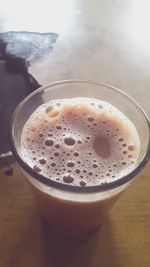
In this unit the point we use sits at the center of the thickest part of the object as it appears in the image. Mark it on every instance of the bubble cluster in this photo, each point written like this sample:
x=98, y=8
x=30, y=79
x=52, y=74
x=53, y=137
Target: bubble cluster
x=80, y=141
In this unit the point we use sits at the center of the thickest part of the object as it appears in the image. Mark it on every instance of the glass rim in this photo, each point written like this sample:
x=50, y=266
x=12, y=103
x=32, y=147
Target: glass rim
x=68, y=187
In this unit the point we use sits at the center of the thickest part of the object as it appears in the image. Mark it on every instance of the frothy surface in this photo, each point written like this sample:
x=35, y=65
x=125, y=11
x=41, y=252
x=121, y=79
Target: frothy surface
x=80, y=141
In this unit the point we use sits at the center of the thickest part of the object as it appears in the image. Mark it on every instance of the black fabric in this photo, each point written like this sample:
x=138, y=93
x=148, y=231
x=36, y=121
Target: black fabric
x=17, y=50
x=15, y=84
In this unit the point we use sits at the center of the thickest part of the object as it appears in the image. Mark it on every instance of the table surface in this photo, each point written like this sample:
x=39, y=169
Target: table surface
x=27, y=240
x=99, y=40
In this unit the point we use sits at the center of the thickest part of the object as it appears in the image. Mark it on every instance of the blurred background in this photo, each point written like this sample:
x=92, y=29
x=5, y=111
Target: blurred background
x=106, y=41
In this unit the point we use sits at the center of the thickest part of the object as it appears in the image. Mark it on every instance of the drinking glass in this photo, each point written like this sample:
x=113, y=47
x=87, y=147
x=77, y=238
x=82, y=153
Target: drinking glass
x=75, y=209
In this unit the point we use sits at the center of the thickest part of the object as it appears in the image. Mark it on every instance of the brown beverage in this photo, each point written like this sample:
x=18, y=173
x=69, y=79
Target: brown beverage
x=81, y=142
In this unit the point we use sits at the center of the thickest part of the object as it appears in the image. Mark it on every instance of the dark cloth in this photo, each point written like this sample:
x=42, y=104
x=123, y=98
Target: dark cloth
x=15, y=84
x=17, y=50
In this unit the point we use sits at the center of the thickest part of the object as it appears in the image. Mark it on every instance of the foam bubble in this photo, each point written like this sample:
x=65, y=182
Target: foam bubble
x=69, y=141
x=53, y=164
x=42, y=161
x=49, y=142
x=56, y=154
x=58, y=127
x=57, y=146
x=131, y=147
x=124, y=145
x=102, y=146
x=53, y=113
x=94, y=165
x=58, y=104
x=48, y=109
x=90, y=119
x=82, y=183
x=68, y=179
x=70, y=164
x=36, y=168
x=100, y=106
x=100, y=150
x=76, y=154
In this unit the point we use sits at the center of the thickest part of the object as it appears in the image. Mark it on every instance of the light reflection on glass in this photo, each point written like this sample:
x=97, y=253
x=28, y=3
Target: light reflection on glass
x=34, y=15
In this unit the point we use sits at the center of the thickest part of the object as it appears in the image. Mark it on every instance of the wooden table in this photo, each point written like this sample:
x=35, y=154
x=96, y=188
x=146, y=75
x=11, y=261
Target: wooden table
x=26, y=240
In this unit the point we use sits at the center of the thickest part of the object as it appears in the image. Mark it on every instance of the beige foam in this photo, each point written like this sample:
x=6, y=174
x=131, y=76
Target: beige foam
x=104, y=144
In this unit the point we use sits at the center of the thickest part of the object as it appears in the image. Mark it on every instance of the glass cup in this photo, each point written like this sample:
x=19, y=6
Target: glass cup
x=76, y=209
